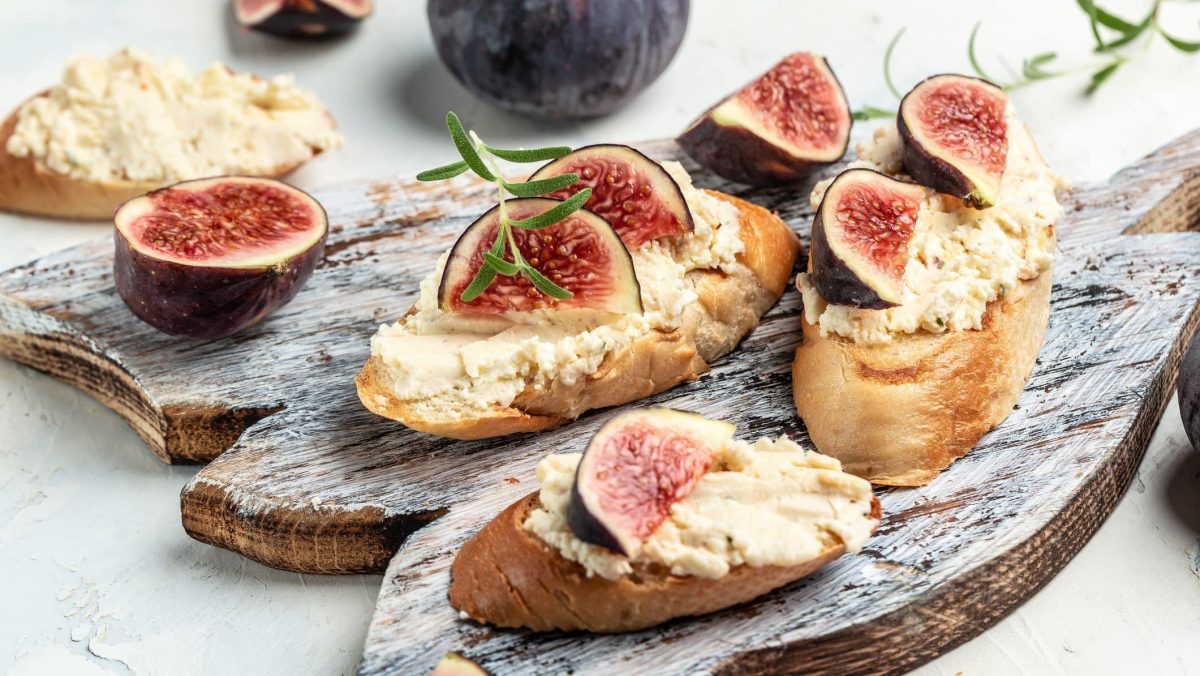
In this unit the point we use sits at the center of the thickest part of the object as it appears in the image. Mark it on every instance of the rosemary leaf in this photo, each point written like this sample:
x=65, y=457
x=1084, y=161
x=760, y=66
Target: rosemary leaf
x=1031, y=68
x=554, y=214
x=467, y=149
x=546, y=286
x=971, y=54
x=1181, y=45
x=543, y=186
x=1101, y=75
x=1106, y=19
x=483, y=279
x=443, y=173
x=872, y=113
x=1094, y=18
x=887, y=64
x=500, y=265
x=533, y=155
x=1133, y=34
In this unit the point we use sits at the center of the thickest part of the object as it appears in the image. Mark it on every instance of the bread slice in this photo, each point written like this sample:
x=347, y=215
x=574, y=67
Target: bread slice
x=507, y=577
x=730, y=305
x=27, y=186
x=898, y=413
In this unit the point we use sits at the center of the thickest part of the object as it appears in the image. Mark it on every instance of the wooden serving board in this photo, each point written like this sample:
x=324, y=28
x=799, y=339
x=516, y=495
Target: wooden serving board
x=317, y=484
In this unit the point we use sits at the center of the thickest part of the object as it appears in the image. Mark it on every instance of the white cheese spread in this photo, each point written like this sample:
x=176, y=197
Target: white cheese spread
x=769, y=503
x=438, y=360
x=960, y=259
x=130, y=118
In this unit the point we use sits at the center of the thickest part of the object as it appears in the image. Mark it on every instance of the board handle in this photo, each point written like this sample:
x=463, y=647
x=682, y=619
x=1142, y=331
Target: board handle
x=1159, y=193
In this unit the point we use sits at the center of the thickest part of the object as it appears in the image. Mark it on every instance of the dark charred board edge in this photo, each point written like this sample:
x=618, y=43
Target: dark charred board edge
x=304, y=539
x=976, y=600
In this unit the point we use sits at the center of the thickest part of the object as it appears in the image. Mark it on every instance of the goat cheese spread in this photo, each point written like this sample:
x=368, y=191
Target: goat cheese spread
x=130, y=118
x=767, y=503
x=960, y=259
x=438, y=360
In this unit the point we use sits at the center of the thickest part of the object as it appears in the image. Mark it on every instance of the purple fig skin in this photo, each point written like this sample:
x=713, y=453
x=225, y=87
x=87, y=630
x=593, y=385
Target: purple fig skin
x=1189, y=392
x=738, y=154
x=932, y=171
x=207, y=303
x=557, y=59
x=586, y=527
x=332, y=17
x=834, y=280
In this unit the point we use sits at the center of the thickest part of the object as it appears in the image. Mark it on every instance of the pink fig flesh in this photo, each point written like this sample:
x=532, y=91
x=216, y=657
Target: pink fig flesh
x=777, y=129
x=205, y=259
x=860, y=239
x=955, y=136
x=629, y=190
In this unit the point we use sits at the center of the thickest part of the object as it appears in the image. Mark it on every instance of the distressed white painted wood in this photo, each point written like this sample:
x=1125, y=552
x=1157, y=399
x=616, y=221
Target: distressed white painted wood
x=322, y=485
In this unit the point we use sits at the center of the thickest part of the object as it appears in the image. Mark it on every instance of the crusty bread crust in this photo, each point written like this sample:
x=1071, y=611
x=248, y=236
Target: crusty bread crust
x=729, y=306
x=899, y=413
x=27, y=186
x=508, y=577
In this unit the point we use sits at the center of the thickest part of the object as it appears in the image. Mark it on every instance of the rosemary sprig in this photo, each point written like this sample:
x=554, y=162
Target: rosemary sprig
x=480, y=158
x=1036, y=67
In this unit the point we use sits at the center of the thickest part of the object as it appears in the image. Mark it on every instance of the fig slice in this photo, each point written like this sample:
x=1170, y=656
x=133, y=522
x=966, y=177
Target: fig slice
x=629, y=190
x=955, y=137
x=205, y=259
x=860, y=239
x=302, y=18
x=635, y=469
x=581, y=253
x=776, y=129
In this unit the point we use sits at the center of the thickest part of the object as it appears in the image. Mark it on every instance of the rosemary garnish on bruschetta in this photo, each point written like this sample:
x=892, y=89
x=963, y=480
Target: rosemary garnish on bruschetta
x=505, y=258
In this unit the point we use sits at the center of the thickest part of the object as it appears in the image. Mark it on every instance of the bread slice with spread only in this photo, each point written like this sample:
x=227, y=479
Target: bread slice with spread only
x=27, y=186
x=899, y=413
x=508, y=577
x=730, y=304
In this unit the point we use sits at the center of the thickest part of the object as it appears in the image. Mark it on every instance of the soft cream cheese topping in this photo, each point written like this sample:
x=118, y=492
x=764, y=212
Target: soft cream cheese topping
x=960, y=259
x=129, y=117
x=768, y=503
x=440, y=360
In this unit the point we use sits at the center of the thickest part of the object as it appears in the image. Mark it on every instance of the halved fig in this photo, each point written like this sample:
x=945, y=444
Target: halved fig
x=301, y=18
x=581, y=254
x=777, y=128
x=205, y=259
x=955, y=137
x=635, y=469
x=629, y=190
x=860, y=239
x=453, y=664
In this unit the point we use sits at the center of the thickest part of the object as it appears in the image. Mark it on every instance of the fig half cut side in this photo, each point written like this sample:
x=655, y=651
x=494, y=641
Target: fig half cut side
x=860, y=239
x=581, y=253
x=778, y=128
x=637, y=197
x=635, y=469
x=955, y=137
x=302, y=18
x=205, y=259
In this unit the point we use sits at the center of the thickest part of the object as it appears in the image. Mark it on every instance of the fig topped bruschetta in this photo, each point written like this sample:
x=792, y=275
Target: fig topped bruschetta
x=641, y=282
x=928, y=286
x=664, y=515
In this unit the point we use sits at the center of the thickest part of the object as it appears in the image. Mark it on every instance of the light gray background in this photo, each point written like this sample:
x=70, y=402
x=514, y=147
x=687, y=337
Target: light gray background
x=96, y=574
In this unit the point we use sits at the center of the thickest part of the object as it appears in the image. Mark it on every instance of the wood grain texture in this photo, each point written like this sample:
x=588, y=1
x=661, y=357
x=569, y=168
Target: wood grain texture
x=322, y=485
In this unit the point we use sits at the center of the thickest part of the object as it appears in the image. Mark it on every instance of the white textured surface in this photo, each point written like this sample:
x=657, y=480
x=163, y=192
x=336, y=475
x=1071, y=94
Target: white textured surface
x=97, y=574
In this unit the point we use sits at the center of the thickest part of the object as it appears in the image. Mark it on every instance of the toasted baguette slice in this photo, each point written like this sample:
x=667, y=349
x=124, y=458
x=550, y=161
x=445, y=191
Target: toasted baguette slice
x=507, y=577
x=730, y=306
x=897, y=414
x=27, y=186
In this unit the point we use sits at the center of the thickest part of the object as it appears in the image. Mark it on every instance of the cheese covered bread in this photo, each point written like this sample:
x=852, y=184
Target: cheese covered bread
x=469, y=376
x=898, y=388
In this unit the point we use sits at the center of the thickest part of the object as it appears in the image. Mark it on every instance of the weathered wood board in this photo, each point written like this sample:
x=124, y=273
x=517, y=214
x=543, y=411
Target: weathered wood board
x=318, y=484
